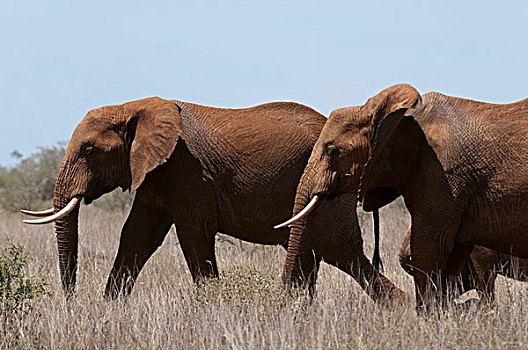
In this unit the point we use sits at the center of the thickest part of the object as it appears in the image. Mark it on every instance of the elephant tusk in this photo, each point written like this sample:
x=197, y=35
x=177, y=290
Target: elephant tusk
x=42, y=213
x=63, y=212
x=302, y=214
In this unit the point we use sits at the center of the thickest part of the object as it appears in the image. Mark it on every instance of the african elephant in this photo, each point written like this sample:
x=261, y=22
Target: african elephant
x=206, y=170
x=480, y=270
x=461, y=167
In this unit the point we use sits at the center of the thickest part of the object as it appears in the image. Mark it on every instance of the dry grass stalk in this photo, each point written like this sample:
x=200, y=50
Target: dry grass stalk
x=244, y=309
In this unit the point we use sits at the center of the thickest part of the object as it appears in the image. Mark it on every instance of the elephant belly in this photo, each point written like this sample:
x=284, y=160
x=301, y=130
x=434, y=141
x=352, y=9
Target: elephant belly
x=258, y=236
x=501, y=225
x=254, y=223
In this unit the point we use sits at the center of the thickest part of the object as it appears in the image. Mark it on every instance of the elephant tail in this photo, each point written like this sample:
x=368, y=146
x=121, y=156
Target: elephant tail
x=376, y=259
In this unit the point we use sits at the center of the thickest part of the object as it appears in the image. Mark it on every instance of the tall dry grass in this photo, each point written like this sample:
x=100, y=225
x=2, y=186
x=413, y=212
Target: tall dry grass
x=245, y=308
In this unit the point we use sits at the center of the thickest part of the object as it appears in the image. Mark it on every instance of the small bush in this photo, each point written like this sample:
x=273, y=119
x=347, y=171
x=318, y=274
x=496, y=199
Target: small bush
x=16, y=289
x=241, y=287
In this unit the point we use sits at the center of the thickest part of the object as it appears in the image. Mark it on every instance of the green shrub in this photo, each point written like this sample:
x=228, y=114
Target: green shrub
x=16, y=290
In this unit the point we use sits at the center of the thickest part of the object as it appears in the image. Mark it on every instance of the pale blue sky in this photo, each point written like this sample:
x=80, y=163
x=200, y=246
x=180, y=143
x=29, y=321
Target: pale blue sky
x=60, y=59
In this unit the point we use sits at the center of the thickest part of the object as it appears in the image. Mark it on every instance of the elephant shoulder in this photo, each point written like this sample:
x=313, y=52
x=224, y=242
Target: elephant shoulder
x=432, y=120
x=444, y=119
x=194, y=110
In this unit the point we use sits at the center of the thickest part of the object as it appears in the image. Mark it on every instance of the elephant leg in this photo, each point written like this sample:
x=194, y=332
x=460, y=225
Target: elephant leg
x=488, y=286
x=333, y=253
x=346, y=253
x=198, y=246
x=310, y=269
x=306, y=275
x=456, y=263
x=404, y=255
x=372, y=281
x=479, y=277
x=143, y=232
x=469, y=277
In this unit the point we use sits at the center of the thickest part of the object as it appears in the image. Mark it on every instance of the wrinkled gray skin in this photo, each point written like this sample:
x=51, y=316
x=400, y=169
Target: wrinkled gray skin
x=460, y=165
x=206, y=170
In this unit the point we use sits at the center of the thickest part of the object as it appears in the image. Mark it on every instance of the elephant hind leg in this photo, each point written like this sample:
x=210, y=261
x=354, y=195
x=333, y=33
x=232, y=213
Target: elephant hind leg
x=198, y=246
x=379, y=287
x=350, y=259
x=143, y=232
x=479, y=276
x=513, y=267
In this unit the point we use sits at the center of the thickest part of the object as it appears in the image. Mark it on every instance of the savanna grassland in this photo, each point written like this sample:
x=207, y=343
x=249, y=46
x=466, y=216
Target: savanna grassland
x=245, y=308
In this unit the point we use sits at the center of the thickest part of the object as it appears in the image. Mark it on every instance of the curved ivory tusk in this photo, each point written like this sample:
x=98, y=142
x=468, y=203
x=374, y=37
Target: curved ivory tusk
x=302, y=214
x=42, y=213
x=63, y=212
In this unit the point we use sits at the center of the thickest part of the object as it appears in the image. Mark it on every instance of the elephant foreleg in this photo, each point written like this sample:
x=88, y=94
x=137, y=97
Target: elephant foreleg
x=143, y=232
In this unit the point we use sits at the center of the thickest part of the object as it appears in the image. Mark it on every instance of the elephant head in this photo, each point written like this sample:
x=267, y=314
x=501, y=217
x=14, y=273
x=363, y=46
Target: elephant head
x=344, y=159
x=113, y=146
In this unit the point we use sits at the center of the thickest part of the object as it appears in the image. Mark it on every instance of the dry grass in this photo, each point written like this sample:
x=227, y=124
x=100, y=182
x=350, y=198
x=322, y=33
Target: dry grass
x=245, y=309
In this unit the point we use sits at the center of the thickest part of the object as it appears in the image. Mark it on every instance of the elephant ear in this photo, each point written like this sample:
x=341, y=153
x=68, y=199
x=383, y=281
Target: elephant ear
x=152, y=132
x=387, y=110
x=378, y=197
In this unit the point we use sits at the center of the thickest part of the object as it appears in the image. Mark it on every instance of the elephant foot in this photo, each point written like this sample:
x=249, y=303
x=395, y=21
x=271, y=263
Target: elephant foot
x=118, y=287
x=386, y=292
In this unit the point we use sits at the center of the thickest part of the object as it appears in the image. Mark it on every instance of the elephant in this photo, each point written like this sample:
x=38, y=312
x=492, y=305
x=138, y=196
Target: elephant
x=480, y=270
x=205, y=170
x=460, y=165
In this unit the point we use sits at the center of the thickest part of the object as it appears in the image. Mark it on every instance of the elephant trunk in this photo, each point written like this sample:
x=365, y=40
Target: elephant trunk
x=66, y=230
x=299, y=263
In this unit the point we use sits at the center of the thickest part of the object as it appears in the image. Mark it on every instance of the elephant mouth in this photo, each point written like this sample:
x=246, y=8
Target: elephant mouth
x=88, y=199
x=332, y=195
x=100, y=188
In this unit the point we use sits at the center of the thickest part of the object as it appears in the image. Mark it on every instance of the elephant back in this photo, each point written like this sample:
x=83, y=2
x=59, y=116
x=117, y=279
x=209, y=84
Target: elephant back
x=254, y=155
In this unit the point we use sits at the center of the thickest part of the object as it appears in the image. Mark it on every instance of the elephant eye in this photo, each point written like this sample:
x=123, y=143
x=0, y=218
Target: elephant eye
x=331, y=151
x=90, y=151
